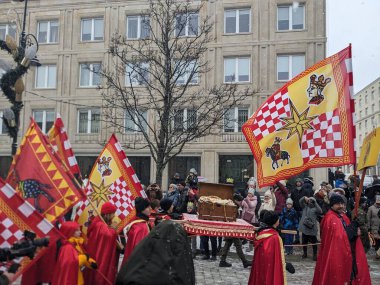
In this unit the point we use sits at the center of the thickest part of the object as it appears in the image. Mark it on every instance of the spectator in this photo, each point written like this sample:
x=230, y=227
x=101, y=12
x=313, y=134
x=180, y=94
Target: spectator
x=192, y=179
x=362, y=221
x=308, y=185
x=252, y=185
x=191, y=209
x=374, y=222
x=154, y=192
x=289, y=221
x=176, y=178
x=281, y=193
x=331, y=177
x=269, y=201
x=308, y=224
x=249, y=205
x=173, y=196
x=322, y=199
x=183, y=198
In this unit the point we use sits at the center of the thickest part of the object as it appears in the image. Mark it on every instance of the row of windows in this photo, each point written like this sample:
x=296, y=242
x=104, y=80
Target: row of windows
x=236, y=70
x=235, y=21
x=89, y=120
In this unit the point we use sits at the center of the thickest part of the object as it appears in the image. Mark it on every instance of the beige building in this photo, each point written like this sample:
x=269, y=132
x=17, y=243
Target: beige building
x=264, y=42
x=367, y=109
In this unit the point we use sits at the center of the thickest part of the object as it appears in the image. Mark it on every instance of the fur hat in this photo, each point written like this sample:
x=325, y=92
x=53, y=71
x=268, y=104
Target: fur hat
x=339, y=191
x=192, y=170
x=141, y=204
x=268, y=193
x=336, y=199
x=108, y=208
x=251, y=191
x=252, y=181
x=289, y=201
x=270, y=218
x=308, y=180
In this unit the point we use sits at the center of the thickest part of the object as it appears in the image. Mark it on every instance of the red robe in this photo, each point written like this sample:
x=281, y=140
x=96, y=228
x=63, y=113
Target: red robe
x=136, y=231
x=101, y=246
x=334, y=261
x=66, y=271
x=268, y=265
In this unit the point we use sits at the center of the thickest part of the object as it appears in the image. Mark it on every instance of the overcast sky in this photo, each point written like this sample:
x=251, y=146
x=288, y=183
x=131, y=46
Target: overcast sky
x=356, y=22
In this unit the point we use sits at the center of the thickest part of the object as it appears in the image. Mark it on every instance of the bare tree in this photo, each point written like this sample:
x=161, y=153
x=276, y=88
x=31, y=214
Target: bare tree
x=161, y=71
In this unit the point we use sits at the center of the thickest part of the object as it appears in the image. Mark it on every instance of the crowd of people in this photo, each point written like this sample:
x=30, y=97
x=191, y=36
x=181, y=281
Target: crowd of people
x=323, y=216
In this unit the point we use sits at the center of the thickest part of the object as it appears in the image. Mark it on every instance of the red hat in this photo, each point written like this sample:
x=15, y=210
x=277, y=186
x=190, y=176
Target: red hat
x=108, y=208
x=69, y=228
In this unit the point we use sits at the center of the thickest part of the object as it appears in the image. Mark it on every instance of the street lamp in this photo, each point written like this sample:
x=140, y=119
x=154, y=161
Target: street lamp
x=11, y=83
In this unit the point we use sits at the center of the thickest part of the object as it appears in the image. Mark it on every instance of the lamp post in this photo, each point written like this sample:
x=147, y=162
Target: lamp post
x=11, y=83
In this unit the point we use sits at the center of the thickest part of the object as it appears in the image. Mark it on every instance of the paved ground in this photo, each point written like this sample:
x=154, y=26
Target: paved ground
x=209, y=272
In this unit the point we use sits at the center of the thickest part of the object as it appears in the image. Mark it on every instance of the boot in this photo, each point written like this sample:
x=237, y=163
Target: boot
x=206, y=257
x=246, y=263
x=213, y=258
x=224, y=263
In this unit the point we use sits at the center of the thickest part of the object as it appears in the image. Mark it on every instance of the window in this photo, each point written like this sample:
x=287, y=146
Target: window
x=290, y=18
x=47, y=32
x=187, y=72
x=289, y=66
x=92, y=29
x=237, y=21
x=366, y=110
x=234, y=119
x=44, y=119
x=137, y=74
x=88, y=121
x=46, y=76
x=185, y=119
x=3, y=128
x=138, y=27
x=7, y=29
x=373, y=95
x=236, y=69
x=131, y=122
x=89, y=76
x=187, y=24
x=373, y=108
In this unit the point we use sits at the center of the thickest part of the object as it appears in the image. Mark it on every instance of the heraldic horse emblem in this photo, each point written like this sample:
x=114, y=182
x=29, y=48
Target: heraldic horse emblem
x=276, y=154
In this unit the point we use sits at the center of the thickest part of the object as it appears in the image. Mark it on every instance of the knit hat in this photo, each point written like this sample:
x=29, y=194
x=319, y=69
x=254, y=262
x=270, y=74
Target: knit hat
x=309, y=180
x=299, y=180
x=141, y=204
x=165, y=204
x=68, y=229
x=270, y=218
x=108, y=208
x=289, y=201
x=252, y=181
x=251, y=191
x=336, y=199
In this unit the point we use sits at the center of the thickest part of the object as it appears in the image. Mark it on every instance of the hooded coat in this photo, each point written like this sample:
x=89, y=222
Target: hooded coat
x=312, y=211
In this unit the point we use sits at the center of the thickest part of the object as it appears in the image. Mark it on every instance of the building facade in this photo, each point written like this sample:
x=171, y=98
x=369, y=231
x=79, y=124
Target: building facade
x=367, y=109
x=264, y=42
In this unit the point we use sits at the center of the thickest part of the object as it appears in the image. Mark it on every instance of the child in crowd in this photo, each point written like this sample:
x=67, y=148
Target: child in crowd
x=289, y=221
x=191, y=209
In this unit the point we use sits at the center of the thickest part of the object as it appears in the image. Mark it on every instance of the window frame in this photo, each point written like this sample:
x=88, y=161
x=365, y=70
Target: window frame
x=186, y=73
x=3, y=128
x=44, y=116
x=139, y=26
x=290, y=65
x=290, y=18
x=46, y=79
x=235, y=120
x=236, y=58
x=48, y=32
x=91, y=74
x=185, y=121
x=89, y=120
x=92, y=29
x=136, y=127
x=187, y=25
x=237, y=17
x=7, y=27
x=129, y=81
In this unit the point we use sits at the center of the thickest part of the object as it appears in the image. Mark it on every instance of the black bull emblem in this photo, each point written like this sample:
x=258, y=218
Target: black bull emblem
x=284, y=155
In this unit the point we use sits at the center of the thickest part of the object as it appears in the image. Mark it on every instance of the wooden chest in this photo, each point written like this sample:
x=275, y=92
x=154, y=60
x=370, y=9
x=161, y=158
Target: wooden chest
x=215, y=211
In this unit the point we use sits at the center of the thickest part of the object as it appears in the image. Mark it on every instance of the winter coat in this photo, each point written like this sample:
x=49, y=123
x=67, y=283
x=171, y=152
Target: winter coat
x=362, y=222
x=281, y=195
x=289, y=219
x=296, y=195
x=311, y=210
x=249, y=206
x=373, y=219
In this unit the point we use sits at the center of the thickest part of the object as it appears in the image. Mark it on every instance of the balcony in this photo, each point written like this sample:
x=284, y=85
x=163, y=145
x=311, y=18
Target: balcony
x=233, y=137
x=133, y=137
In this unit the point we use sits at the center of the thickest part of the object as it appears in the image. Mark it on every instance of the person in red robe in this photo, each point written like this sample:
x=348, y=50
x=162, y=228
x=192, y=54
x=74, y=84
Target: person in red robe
x=268, y=265
x=138, y=228
x=102, y=245
x=71, y=257
x=341, y=258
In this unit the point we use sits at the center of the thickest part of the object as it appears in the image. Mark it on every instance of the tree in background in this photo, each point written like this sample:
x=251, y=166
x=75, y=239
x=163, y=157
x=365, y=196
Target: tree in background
x=158, y=66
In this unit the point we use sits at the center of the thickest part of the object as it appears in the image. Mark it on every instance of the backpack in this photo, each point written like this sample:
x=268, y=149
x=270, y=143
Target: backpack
x=162, y=258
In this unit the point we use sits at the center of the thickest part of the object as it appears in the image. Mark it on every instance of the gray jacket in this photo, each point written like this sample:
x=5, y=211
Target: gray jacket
x=373, y=219
x=311, y=210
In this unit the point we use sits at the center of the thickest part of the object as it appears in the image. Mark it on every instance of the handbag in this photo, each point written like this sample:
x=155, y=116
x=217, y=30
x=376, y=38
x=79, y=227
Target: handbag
x=308, y=222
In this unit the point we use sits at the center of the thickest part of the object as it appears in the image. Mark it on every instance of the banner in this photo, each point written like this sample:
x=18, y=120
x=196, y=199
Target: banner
x=112, y=179
x=59, y=140
x=369, y=153
x=305, y=124
x=39, y=176
x=16, y=216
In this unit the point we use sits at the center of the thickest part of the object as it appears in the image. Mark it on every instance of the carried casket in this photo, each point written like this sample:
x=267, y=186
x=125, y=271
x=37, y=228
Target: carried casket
x=215, y=202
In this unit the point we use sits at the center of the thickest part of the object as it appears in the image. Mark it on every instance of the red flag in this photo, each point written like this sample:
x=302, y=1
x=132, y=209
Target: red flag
x=40, y=177
x=307, y=123
x=59, y=140
x=16, y=216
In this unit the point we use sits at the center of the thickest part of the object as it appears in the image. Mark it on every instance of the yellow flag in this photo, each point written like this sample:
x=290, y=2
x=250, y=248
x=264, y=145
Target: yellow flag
x=370, y=150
